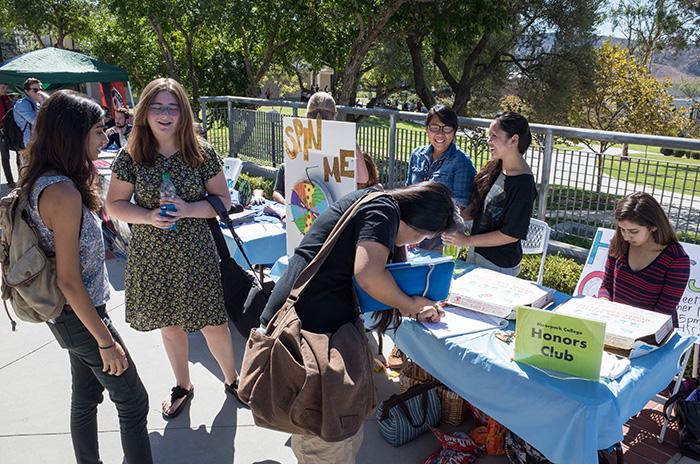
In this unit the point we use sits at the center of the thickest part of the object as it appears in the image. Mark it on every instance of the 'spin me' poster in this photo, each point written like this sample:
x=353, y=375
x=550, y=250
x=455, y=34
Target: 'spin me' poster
x=319, y=160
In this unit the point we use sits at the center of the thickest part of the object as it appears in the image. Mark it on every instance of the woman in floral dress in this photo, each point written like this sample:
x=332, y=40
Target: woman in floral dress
x=173, y=280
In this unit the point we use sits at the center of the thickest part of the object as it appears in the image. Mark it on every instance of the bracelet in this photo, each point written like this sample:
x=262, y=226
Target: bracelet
x=107, y=347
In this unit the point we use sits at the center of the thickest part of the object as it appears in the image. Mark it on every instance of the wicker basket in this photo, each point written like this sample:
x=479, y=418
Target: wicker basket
x=453, y=407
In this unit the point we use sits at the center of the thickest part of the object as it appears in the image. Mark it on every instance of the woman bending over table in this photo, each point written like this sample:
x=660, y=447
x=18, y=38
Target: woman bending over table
x=503, y=194
x=646, y=267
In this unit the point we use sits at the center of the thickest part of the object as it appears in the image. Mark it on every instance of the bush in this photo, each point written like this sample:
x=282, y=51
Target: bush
x=694, y=154
x=559, y=273
x=679, y=153
x=666, y=151
x=266, y=185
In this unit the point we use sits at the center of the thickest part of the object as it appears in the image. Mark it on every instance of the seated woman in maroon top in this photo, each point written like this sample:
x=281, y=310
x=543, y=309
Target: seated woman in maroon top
x=646, y=267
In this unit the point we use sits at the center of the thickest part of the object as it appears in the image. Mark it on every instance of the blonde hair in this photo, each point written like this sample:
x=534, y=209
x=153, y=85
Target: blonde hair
x=142, y=144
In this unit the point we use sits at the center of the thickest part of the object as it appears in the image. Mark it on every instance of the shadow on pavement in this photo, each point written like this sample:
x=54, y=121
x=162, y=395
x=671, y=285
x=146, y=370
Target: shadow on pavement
x=179, y=443
x=115, y=273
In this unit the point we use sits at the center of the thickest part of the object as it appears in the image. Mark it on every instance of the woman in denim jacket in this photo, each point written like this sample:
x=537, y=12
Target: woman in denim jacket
x=442, y=161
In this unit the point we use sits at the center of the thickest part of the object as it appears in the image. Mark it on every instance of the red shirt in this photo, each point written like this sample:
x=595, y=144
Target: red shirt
x=658, y=287
x=5, y=106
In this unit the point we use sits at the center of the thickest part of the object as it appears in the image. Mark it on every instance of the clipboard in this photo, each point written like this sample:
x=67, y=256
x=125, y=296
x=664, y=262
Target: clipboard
x=429, y=277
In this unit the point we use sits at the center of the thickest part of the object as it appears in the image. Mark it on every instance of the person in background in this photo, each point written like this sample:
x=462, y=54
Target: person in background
x=646, y=266
x=407, y=216
x=26, y=108
x=322, y=105
x=173, y=281
x=5, y=106
x=63, y=199
x=503, y=195
x=119, y=133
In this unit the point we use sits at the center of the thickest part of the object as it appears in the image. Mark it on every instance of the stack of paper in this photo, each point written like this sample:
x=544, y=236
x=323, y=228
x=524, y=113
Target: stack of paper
x=624, y=324
x=491, y=292
x=458, y=321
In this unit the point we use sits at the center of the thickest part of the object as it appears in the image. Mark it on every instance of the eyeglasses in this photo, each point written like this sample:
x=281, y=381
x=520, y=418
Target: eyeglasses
x=436, y=128
x=35, y=90
x=173, y=110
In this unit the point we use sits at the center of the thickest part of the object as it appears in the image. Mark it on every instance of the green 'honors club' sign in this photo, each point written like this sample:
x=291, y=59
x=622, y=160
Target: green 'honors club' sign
x=557, y=342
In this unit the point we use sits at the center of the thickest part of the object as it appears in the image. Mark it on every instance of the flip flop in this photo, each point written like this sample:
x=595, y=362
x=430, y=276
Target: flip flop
x=177, y=393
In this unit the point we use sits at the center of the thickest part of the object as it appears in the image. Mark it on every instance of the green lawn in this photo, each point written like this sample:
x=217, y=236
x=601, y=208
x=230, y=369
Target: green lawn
x=656, y=171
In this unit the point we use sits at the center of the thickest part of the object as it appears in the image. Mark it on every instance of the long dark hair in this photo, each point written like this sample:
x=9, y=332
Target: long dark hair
x=59, y=143
x=511, y=123
x=643, y=209
x=426, y=206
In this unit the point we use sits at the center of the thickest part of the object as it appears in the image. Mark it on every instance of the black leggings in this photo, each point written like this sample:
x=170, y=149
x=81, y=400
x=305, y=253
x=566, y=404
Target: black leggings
x=5, y=154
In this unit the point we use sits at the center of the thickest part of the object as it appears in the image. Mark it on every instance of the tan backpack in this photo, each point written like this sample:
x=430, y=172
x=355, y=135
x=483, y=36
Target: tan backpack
x=28, y=274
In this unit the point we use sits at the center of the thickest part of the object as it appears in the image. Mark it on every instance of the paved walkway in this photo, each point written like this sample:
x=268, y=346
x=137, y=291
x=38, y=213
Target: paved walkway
x=34, y=428
x=34, y=424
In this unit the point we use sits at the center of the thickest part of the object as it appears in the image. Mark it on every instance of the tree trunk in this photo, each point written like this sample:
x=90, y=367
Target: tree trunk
x=350, y=80
x=191, y=70
x=165, y=48
x=414, y=41
x=462, y=97
x=255, y=76
x=361, y=45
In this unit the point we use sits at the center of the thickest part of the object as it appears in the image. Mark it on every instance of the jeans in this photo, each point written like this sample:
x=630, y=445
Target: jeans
x=475, y=258
x=5, y=155
x=88, y=382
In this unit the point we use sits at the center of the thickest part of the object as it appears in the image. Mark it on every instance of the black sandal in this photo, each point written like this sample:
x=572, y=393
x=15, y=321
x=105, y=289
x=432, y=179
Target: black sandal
x=233, y=389
x=177, y=393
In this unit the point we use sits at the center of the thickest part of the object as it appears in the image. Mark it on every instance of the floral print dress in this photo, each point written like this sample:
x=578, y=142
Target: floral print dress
x=172, y=276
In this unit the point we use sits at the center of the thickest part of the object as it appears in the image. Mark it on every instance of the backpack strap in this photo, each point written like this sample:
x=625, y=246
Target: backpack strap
x=312, y=268
x=13, y=323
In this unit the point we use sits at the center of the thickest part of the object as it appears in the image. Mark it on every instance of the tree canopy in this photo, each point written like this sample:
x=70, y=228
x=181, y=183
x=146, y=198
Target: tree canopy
x=468, y=53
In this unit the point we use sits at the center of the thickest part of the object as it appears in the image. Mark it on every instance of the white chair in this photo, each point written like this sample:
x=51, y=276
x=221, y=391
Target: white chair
x=536, y=242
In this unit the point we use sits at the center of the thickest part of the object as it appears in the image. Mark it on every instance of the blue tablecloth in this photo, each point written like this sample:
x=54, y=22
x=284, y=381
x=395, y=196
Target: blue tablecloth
x=568, y=420
x=279, y=268
x=264, y=239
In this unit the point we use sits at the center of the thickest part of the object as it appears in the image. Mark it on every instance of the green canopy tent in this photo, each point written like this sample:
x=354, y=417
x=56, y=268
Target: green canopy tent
x=57, y=66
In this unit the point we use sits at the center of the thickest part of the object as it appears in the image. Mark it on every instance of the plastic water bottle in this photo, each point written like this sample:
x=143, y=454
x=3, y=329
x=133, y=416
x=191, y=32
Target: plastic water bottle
x=167, y=190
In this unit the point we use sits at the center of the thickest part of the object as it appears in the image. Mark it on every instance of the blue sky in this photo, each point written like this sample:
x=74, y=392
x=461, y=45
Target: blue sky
x=605, y=29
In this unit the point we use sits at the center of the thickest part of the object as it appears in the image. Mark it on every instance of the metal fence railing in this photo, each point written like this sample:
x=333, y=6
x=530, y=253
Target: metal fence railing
x=578, y=188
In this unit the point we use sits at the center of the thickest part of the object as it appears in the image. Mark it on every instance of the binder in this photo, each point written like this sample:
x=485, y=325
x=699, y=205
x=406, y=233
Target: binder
x=430, y=278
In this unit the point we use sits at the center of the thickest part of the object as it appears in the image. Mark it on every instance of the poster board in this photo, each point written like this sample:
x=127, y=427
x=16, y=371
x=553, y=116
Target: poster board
x=594, y=269
x=322, y=153
x=558, y=342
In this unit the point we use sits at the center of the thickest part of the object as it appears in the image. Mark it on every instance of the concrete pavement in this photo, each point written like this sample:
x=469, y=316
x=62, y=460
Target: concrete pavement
x=34, y=428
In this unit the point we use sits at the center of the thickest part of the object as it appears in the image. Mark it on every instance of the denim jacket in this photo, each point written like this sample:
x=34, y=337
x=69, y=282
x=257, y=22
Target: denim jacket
x=25, y=113
x=453, y=169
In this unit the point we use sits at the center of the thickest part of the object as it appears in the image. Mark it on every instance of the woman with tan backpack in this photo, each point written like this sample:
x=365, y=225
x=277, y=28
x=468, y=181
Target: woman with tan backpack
x=63, y=198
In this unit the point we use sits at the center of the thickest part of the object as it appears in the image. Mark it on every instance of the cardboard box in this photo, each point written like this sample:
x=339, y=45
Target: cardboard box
x=497, y=294
x=624, y=324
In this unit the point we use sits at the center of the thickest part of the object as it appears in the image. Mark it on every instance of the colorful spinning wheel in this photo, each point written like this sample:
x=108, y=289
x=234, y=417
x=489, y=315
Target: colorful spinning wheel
x=309, y=200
